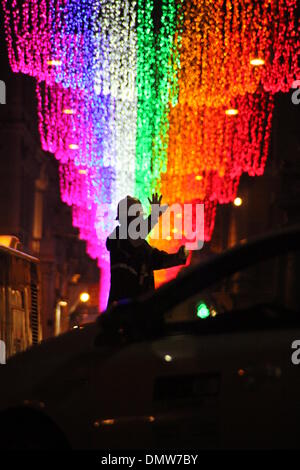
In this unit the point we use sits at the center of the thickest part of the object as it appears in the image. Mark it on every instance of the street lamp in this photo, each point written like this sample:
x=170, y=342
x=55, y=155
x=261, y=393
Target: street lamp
x=84, y=297
x=238, y=201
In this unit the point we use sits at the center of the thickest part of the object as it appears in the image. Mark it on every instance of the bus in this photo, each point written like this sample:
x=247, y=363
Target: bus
x=20, y=319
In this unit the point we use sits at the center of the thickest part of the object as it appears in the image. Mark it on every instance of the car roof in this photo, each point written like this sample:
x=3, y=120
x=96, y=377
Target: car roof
x=201, y=276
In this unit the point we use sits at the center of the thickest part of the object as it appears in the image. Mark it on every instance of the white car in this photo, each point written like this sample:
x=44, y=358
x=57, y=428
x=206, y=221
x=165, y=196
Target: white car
x=208, y=361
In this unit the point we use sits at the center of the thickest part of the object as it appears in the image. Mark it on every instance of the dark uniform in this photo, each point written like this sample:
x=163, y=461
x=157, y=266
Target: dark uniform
x=132, y=264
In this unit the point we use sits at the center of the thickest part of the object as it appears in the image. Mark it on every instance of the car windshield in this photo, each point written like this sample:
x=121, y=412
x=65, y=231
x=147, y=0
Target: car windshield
x=272, y=284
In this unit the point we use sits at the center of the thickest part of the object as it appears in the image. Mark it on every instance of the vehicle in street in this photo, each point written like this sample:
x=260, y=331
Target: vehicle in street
x=206, y=362
x=20, y=323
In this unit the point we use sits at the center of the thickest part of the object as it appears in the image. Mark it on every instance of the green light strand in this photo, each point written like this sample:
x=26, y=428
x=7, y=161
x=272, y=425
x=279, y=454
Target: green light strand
x=168, y=64
x=158, y=64
x=146, y=98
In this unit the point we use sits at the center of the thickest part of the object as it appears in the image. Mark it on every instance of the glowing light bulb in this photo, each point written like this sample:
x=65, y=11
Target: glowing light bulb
x=108, y=422
x=84, y=297
x=213, y=312
x=54, y=63
x=203, y=311
x=238, y=202
x=168, y=358
x=68, y=111
x=257, y=62
x=231, y=112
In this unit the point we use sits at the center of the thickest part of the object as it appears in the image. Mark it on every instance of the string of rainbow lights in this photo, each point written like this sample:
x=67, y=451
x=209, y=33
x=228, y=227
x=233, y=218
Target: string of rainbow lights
x=137, y=95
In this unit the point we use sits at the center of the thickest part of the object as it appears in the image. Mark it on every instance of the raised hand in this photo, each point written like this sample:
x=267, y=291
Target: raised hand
x=156, y=204
x=156, y=199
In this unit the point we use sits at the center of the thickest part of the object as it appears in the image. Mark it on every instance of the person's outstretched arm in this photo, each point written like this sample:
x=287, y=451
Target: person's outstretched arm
x=163, y=260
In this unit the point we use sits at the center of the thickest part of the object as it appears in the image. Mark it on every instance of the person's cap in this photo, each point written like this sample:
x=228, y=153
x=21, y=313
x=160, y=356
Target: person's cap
x=126, y=203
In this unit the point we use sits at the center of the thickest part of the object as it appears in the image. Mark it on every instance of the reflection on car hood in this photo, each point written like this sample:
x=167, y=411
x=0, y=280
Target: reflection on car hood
x=25, y=370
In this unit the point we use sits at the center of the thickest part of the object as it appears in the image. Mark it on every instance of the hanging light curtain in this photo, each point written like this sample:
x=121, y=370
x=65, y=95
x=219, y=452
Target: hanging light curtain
x=208, y=146
x=229, y=47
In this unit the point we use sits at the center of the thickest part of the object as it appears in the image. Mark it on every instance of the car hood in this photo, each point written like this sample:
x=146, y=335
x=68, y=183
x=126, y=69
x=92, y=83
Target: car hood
x=26, y=370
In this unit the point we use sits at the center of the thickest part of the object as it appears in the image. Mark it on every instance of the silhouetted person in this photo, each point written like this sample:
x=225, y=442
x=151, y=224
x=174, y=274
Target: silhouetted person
x=132, y=259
